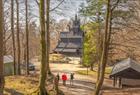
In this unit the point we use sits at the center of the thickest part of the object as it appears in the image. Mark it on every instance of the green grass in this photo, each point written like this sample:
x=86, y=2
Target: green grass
x=93, y=73
x=108, y=70
x=84, y=72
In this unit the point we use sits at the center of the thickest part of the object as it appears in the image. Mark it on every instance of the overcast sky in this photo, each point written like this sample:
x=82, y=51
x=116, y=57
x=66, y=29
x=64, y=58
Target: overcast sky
x=68, y=9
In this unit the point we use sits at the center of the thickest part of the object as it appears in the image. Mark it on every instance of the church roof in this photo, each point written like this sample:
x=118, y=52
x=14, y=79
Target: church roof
x=65, y=50
x=72, y=40
x=69, y=45
x=69, y=35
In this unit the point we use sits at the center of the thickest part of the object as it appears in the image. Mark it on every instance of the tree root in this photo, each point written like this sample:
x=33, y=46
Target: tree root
x=38, y=92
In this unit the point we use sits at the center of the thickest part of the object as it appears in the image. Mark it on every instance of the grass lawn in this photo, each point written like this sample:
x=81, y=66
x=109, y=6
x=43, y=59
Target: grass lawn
x=23, y=85
x=20, y=85
x=93, y=73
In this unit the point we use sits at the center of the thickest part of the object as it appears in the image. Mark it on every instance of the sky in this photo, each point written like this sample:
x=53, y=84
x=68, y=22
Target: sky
x=68, y=9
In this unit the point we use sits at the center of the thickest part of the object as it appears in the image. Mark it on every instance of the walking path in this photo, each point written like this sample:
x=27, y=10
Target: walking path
x=83, y=85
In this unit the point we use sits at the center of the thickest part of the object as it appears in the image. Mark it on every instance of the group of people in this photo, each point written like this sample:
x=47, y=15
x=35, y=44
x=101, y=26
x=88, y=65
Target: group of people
x=64, y=78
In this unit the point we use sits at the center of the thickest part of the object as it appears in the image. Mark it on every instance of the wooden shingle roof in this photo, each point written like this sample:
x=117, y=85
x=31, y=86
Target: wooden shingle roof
x=69, y=45
x=126, y=68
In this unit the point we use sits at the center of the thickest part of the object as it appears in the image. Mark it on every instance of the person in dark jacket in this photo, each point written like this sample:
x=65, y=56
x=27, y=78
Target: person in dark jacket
x=58, y=77
x=71, y=78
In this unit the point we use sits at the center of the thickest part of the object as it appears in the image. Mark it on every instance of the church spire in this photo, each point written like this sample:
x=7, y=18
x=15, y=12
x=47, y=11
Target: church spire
x=76, y=17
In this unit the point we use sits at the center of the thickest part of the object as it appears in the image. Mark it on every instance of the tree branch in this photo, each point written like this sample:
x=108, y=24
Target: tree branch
x=52, y=8
x=7, y=38
x=57, y=5
x=115, y=5
x=37, y=2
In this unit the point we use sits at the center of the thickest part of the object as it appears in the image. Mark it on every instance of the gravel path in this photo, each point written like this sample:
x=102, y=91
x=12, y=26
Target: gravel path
x=83, y=85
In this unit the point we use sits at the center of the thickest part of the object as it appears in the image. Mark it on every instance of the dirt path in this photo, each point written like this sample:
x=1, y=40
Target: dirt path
x=83, y=85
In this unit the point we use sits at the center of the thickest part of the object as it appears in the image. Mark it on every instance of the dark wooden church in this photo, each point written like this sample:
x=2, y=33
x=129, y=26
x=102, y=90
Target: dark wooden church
x=127, y=73
x=71, y=42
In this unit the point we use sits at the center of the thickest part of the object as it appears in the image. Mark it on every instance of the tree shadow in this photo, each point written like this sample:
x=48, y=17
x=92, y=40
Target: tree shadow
x=81, y=85
x=63, y=71
x=60, y=63
x=121, y=91
x=81, y=66
x=84, y=82
x=13, y=91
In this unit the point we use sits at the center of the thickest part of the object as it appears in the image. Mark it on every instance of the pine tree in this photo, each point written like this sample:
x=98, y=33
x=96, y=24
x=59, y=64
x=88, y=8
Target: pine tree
x=104, y=52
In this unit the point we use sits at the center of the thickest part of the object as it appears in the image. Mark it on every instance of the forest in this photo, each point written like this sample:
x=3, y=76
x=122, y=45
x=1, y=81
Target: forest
x=69, y=47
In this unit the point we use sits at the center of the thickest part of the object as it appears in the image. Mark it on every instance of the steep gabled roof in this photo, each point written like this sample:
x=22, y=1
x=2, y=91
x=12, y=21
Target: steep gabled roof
x=124, y=65
x=65, y=50
x=69, y=45
x=70, y=35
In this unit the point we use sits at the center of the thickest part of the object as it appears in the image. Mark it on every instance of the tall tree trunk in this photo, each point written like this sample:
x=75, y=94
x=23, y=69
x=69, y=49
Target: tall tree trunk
x=104, y=53
x=27, y=39
x=99, y=41
x=13, y=34
x=1, y=49
x=18, y=39
x=42, y=90
x=4, y=43
x=24, y=55
x=48, y=33
x=99, y=47
x=91, y=66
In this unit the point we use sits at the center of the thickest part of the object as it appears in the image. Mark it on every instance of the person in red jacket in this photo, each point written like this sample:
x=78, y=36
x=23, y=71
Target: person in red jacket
x=64, y=78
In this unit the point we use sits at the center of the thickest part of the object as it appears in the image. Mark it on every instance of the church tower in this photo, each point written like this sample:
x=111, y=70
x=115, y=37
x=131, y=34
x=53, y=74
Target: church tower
x=76, y=26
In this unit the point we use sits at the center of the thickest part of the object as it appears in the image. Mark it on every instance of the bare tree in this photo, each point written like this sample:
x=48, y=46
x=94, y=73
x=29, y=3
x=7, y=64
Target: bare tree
x=27, y=39
x=42, y=89
x=18, y=39
x=48, y=33
x=1, y=49
x=13, y=34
